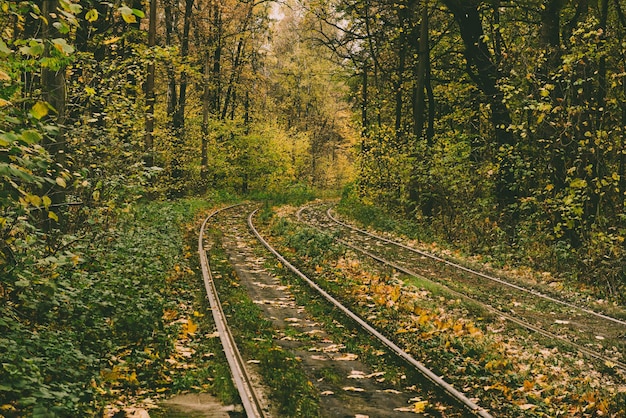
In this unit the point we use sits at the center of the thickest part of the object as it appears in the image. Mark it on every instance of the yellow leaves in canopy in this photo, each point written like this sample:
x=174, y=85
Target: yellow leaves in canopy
x=127, y=14
x=91, y=15
x=33, y=199
x=578, y=183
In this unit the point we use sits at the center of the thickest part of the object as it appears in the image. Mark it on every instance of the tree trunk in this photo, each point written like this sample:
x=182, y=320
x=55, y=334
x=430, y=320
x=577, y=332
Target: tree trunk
x=172, y=87
x=53, y=88
x=364, y=100
x=483, y=70
x=150, y=97
x=229, y=90
x=215, y=82
x=179, y=114
x=419, y=102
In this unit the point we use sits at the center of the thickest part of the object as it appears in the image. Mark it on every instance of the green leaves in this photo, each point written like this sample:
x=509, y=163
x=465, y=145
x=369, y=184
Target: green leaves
x=130, y=15
x=30, y=136
x=62, y=46
x=34, y=48
x=5, y=51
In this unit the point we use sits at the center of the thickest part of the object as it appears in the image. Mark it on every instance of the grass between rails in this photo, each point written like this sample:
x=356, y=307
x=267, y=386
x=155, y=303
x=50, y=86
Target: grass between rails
x=503, y=369
x=290, y=389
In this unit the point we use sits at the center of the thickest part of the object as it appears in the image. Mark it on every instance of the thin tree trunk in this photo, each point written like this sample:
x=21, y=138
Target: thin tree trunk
x=419, y=105
x=231, y=82
x=53, y=88
x=374, y=57
x=179, y=114
x=364, y=100
x=150, y=97
x=216, y=75
x=172, y=87
x=205, y=119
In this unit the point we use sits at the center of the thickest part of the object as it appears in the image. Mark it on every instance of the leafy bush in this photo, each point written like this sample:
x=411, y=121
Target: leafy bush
x=77, y=327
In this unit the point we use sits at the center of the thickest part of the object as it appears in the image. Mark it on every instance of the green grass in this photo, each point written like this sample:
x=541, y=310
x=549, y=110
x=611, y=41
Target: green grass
x=290, y=388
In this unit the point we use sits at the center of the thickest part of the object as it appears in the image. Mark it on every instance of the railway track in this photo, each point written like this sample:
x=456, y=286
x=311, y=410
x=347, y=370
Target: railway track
x=250, y=398
x=593, y=334
x=241, y=377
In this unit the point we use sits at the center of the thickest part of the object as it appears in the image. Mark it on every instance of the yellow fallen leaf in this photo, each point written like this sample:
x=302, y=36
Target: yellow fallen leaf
x=610, y=364
x=189, y=327
x=420, y=407
x=133, y=378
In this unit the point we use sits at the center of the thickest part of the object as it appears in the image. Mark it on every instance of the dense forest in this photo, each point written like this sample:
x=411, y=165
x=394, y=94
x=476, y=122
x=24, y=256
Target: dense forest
x=496, y=126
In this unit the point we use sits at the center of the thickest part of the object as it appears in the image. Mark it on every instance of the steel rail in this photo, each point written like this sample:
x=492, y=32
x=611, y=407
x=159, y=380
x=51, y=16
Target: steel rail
x=477, y=273
x=517, y=321
x=426, y=372
x=249, y=398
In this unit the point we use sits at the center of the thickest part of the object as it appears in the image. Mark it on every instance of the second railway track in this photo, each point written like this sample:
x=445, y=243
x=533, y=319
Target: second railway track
x=591, y=333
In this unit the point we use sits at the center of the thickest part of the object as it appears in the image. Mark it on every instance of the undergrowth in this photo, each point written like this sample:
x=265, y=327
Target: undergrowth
x=100, y=321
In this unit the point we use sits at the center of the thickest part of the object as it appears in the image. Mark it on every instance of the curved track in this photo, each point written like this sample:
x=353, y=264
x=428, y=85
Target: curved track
x=249, y=397
x=412, y=262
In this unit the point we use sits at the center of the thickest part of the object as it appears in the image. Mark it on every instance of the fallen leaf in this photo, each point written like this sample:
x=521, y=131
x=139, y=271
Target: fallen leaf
x=346, y=357
x=420, y=407
x=353, y=389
